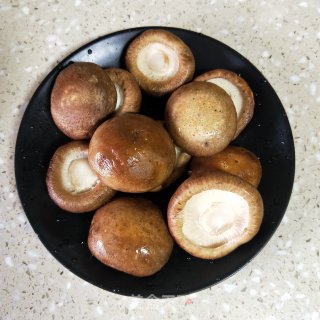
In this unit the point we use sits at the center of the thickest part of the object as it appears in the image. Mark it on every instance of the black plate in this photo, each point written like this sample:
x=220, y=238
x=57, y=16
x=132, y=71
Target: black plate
x=268, y=135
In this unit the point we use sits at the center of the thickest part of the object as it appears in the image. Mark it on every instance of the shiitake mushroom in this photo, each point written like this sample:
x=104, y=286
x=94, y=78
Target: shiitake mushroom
x=71, y=182
x=132, y=153
x=130, y=235
x=239, y=91
x=128, y=91
x=212, y=214
x=182, y=160
x=160, y=61
x=181, y=163
x=82, y=96
x=201, y=118
x=233, y=159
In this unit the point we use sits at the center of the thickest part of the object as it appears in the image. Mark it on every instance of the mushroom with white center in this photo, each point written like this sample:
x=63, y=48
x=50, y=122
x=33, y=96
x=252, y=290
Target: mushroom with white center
x=182, y=160
x=239, y=91
x=128, y=91
x=160, y=61
x=71, y=182
x=212, y=214
x=82, y=97
x=233, y=159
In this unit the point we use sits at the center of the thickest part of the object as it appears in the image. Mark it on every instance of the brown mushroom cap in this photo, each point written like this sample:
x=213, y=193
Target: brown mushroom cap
x=160, y=61
x=235, y=160
x=210, y=215
x=71, y=183
x=132, y=153
x=240, y=93
x=82, y=96
x=128, y=91
x=130, y=235
x=201, y=118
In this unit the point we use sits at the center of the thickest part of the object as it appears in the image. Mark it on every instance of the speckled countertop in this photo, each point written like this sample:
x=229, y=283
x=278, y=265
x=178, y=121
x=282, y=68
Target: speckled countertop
x=282, y=38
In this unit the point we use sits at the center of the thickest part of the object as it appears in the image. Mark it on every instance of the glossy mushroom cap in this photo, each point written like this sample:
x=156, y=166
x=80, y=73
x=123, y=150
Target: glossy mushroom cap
x=239, y=91
x=82, y=96
x=132, y=153
x=71, y=183
x=212, y=214
x=160, y=61
x=201, y=118
x=130, y=235
x=235, y=160
x=128, y=91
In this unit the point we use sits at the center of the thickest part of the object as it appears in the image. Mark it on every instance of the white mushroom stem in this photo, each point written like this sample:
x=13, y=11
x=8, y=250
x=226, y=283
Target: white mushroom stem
x=232, y=90
x=77, y=175
x=158, y=61
x=181, y=157
x=120, y=96
x=214, y=217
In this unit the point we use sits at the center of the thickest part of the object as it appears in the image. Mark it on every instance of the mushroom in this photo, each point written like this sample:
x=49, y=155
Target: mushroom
x=201, y=118
x=132, y=153
x=71, y=183
x=82, y=96
x=212, y=214
x=239, y=91
x=235, y=160
x=182, y=160
x=130, y=235
x=128, y=91
x=160, y=61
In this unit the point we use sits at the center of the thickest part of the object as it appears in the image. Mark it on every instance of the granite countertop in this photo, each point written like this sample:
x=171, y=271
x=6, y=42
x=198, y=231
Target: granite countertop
x=282, y=38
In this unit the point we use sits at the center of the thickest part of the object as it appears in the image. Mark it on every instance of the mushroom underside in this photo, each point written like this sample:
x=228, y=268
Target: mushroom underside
x=211, y=215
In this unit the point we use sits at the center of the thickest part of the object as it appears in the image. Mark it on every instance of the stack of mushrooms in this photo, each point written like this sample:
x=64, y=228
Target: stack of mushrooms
x=117, y=153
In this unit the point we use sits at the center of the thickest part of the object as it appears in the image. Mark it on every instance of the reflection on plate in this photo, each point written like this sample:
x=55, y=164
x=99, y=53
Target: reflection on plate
x=268, y=135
